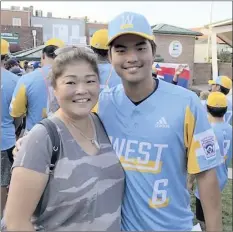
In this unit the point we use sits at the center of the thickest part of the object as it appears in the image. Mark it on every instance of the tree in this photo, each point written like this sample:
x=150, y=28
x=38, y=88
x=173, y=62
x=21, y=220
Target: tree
x=225, y=57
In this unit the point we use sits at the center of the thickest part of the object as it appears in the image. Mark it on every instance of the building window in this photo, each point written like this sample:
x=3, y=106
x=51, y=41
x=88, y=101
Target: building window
x=16, y=21
x=37, y=25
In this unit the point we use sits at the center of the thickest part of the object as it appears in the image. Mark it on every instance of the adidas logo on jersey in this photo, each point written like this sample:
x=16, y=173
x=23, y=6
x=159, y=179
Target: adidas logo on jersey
x=162, y=123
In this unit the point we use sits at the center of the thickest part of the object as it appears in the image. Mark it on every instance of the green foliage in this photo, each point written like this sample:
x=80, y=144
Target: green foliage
x=225, y=57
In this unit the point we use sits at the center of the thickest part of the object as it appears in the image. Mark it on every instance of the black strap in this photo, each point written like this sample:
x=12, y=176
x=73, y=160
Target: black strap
x=55, y=139
x=21, y=127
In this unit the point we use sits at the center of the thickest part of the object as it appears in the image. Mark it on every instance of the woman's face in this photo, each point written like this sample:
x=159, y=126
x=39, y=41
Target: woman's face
x=77, y=89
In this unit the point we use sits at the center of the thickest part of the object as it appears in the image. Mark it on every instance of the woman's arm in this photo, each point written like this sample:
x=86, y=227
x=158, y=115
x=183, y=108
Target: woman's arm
x=29, y=178
x=26, y=189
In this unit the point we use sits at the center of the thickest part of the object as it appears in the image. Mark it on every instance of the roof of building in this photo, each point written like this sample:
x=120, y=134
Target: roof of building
x=224, y=22
x=29, y=54
x=170, y=29
x=204, y=38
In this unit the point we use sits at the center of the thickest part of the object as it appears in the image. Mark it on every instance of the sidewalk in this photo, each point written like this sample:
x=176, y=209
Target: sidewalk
x=230, y=173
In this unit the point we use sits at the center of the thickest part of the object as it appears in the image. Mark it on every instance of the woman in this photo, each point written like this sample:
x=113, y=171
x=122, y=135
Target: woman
x=85, y=190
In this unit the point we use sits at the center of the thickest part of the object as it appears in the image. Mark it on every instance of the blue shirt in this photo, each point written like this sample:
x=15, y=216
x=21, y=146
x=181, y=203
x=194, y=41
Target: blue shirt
x=108, y=76
x=223, y=133
x=158, y=142
x=8, y=84
x=228, y=115
x=30, y=97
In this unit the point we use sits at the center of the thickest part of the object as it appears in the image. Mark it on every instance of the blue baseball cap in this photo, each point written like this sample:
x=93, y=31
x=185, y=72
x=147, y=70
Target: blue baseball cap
x=129, y=23
x=36, y=64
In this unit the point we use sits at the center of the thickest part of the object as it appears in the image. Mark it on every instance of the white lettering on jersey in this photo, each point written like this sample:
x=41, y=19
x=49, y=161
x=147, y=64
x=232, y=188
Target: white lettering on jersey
x=136, y=156
x=226, y=146
x=159, y=196
x=145, y=153
x=162, y=123
x=159, y=154
x=228, y=116
x=128, y=149
x=118, y=145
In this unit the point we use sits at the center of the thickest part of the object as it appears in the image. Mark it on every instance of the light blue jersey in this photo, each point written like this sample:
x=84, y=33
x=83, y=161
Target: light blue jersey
x=223, y=133
x=158, y=142
x=30, y=97
x=108, y=76
x=228, y=115
x=8, y=83
x=229, y=98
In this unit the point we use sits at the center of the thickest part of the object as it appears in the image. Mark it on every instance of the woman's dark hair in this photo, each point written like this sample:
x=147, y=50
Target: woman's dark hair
x=217, y=112
x=224, y=90
x=49, y=51
x=100, y=52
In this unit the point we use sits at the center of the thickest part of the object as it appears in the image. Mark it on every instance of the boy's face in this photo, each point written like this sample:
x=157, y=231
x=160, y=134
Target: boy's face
x=132, y=57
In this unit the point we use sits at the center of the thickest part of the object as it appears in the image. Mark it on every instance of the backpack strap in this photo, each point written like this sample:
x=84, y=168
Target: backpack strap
x=55, y=139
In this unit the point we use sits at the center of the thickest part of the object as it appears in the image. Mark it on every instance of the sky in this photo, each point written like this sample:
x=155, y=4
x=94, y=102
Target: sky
x=182, y=14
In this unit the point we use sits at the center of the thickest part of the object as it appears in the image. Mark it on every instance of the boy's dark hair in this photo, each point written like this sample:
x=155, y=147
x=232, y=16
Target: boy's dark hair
x=217, y=112
x=100, y=52
x=154, y=47
x=49, y=51
x=224, y=90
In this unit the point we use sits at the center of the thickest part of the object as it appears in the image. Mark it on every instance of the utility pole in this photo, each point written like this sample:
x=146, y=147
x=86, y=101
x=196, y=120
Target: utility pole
x=209, y=30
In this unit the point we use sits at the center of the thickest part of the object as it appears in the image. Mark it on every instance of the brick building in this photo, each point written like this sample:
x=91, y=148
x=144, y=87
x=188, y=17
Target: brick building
x=15, y=17
x=167, y=37
x=16, y=28
x=22, y=36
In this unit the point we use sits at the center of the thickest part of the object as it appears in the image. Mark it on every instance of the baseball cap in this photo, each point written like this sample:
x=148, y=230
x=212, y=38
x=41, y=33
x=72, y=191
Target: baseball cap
x=36, y=65
x=99, y=39
x=11, y=62
x=129, y=23
x=224, y=81
x=55, y=42
x=16, y=70
x=4, y=47
x=217, y=100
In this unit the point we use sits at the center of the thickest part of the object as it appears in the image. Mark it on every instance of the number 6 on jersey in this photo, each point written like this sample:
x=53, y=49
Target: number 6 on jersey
x=159, y=196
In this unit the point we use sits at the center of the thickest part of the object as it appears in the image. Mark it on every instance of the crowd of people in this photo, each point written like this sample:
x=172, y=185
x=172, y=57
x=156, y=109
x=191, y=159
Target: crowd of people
x=93, y=140
x=13, y=65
